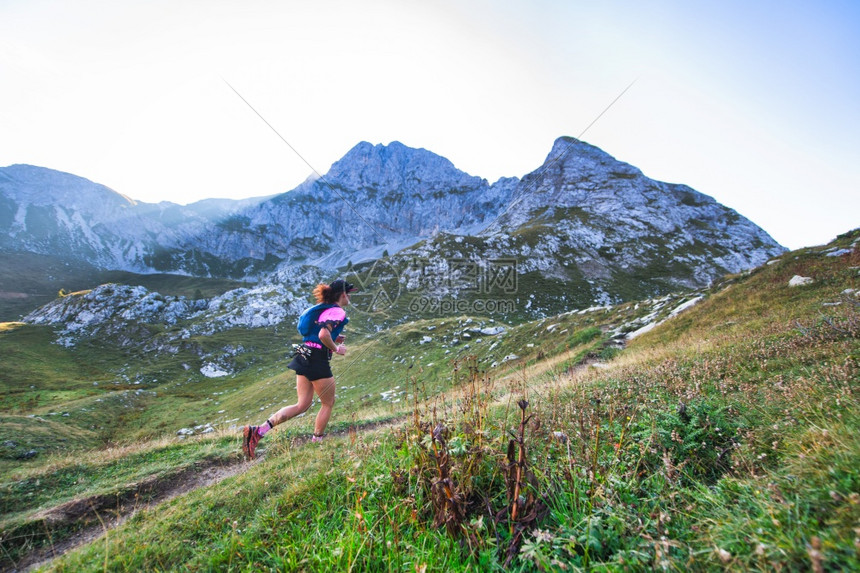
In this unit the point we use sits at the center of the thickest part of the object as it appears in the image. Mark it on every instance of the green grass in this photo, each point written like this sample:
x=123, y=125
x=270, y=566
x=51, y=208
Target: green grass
x=31, y=358
x=639, y=483
x=104, y=480
x=325, y=510
x=725, y=438
x=67, y=478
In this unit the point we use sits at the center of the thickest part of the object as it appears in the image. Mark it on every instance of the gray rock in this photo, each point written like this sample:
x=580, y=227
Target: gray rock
x=492, y=330
x=798, y=280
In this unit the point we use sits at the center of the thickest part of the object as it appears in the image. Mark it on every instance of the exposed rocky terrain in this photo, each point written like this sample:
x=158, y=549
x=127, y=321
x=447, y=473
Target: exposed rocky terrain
x=581, y=213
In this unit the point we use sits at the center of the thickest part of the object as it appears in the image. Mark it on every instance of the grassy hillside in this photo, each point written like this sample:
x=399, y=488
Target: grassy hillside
x=724, y=438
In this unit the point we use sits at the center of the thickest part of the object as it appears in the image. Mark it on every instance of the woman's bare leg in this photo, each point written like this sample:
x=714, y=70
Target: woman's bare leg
x=324, y=388
x=305, y=391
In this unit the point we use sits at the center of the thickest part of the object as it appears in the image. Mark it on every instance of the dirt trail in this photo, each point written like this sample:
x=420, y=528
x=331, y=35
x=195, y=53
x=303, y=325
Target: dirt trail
x=112, y=510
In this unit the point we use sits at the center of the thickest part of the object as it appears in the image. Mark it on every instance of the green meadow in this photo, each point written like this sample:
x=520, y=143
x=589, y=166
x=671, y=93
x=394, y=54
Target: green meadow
x=725, y=438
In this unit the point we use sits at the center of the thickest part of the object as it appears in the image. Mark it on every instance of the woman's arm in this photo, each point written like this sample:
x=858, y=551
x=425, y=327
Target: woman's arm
x=325, y=338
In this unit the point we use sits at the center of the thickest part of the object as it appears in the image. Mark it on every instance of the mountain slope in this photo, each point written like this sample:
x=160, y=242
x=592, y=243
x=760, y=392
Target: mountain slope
x=585, y=228
x=746, y=400
x=582, y=219
x=375, y=198
x=54, y=213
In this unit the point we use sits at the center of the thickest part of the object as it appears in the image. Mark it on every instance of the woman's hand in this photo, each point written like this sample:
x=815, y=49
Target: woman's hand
x=341, y=349
x=340, y=338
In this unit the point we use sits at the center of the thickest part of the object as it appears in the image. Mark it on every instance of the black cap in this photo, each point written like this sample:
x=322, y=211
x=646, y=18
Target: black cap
x=340, y=286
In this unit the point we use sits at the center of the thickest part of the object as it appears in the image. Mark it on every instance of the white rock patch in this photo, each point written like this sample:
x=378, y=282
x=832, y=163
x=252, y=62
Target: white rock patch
x=798, y=280
x=211, y=371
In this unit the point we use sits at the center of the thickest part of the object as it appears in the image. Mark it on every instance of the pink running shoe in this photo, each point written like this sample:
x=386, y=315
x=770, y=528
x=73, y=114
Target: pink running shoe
x=315, y=439
x=250, y=439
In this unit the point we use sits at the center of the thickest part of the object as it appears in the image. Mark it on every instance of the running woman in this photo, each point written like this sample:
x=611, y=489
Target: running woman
x=321, y=327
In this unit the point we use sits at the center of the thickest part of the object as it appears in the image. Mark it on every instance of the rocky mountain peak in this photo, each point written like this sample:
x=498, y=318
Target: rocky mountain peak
x=397, y=166
x=582, y=217
x=577, y=159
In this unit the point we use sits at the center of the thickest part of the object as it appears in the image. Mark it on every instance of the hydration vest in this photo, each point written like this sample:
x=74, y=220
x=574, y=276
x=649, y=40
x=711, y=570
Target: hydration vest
x=309, y=318
x=309, y=327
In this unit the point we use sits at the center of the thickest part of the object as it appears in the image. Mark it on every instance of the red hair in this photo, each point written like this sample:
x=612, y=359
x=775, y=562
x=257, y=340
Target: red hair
x=324, y=293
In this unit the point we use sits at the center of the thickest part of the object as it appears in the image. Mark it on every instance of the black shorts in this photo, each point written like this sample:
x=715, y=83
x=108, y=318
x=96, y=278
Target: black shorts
x=312, y=363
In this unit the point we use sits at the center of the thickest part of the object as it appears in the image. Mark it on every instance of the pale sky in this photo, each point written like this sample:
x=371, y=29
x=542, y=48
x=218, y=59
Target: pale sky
x=754, y=103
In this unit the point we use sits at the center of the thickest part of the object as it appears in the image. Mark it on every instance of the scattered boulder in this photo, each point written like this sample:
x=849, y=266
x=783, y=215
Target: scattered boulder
x=798, y=280
x=212, y=371
x=640, y=331
x=492, y=331
x=681, y=308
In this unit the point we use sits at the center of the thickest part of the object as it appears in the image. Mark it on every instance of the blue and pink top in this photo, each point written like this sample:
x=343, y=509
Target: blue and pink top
x=334, y=319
